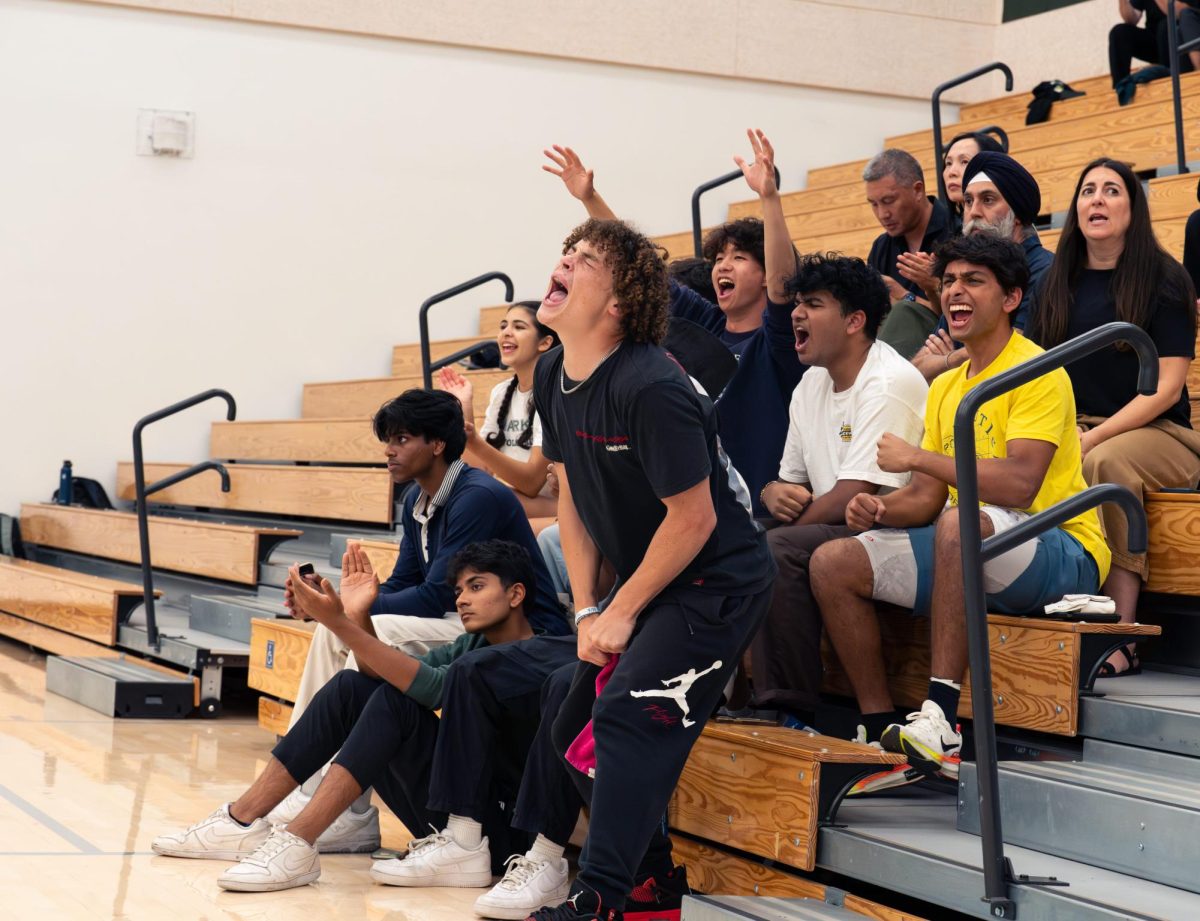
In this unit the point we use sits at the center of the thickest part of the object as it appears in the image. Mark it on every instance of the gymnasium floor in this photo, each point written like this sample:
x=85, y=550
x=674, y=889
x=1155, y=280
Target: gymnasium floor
x=82, y=795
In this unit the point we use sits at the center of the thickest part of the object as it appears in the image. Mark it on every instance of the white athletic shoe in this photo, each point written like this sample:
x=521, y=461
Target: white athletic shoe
x=928, y=739
x=284, y=861
x=437, y=860
x=291, y=807
x=217, y=837
x=528, y=884
x=351, y=833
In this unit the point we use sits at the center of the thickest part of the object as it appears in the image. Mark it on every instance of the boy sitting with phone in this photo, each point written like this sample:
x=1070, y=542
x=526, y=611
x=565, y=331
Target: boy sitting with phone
x=382, y=729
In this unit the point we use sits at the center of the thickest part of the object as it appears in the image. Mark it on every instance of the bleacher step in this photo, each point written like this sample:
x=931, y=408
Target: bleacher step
x=119, y=688
x=1128, y=819
x=180, y=643
x=1155, y=710
x=743, y=907
x=230, y=617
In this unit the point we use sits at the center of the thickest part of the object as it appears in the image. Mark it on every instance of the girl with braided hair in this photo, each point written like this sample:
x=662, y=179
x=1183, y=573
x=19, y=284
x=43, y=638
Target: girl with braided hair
x=509, y=443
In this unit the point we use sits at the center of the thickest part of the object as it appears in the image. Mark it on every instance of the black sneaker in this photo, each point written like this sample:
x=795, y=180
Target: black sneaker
x=582, y=905
x=658, y=898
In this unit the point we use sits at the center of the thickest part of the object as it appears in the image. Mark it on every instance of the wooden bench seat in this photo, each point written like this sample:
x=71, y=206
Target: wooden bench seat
x=381, y=553
x=1038, y=666
x=1101, y=101
x=81, y=605
x=1174, y=555
x=347, y=493
x=406, y=359
x=342, y=399
x=764, y=789
x=327, y=441
x=278, y=650
x=201, y=548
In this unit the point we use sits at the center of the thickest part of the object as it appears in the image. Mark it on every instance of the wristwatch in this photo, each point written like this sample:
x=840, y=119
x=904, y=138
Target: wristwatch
x=580, y=616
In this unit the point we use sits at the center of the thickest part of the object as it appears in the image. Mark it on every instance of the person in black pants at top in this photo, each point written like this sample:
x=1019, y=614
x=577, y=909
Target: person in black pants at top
x=642, y=487
x=1149, y=42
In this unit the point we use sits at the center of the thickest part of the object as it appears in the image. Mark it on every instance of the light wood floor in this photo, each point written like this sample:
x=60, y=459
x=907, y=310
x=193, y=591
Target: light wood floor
x=82, y=795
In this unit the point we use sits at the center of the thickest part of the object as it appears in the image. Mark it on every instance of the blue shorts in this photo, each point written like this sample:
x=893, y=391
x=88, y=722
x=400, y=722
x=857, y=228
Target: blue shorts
x=1021, y=581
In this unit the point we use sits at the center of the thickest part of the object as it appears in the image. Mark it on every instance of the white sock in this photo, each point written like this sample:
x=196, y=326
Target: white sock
x=309, y=787
x=363, y=803
x=466, y=832
x=545, y=849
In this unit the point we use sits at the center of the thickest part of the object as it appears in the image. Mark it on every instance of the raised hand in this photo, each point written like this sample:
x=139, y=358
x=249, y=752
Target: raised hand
x=320, y=603
x=760, y=173
x=566, y=165
x=360, y=585
x=453, y=382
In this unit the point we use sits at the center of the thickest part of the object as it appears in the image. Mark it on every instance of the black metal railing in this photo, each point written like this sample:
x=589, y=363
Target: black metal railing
x=697, y=233
x=428, y=366
x=998, y=873
x=936, y=102
x=142, y=491
x=1176, y=96
x=1000, y=133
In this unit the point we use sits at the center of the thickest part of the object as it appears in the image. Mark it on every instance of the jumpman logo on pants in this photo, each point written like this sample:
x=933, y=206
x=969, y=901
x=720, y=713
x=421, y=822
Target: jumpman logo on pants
x=676, y=688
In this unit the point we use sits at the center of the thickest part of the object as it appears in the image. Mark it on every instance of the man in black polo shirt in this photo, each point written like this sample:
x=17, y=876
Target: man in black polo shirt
x=913, y=225
x=641, y=486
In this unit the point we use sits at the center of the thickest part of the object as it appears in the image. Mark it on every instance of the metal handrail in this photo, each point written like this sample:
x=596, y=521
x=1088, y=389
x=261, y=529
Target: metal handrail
x=1176, y=93
x=975, y=551
x=936, y=102
x=428, y=367
x=1001, y=135
x=142, y=491
x=697, y=233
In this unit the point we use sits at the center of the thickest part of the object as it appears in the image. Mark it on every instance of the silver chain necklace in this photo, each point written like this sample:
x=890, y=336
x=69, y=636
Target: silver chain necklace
x=562, y=373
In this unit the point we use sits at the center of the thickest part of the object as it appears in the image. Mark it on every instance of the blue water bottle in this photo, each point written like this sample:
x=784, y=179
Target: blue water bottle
x=65, y=484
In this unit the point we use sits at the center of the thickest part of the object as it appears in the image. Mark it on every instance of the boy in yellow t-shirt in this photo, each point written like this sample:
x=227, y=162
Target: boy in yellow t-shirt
x=1027, y=451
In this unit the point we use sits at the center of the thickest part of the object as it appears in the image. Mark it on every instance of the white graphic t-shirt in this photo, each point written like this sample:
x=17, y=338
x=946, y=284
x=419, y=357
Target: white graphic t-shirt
x=516, y=423
x=834, y=436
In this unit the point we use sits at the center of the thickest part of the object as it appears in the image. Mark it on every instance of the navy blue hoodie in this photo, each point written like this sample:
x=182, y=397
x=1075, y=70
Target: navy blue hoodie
x=752, y=411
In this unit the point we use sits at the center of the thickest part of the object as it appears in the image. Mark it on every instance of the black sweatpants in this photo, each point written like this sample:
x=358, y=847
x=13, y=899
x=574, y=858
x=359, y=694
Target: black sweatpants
x=785, y=654
x=491, y=713
x=384, y=739
x=645, y=722
x=1126, y=42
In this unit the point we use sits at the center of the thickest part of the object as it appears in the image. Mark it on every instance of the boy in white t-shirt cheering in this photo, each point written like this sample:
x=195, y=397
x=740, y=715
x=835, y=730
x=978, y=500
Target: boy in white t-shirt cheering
x=857, y=389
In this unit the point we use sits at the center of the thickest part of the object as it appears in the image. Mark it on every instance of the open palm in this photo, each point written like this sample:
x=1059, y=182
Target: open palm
x=453, y=382
x=570, y=169
x=760, y=174
x=360, y=585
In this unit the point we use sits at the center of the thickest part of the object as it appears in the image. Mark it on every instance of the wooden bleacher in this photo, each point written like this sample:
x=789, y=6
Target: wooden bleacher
x=363, y=397
x=343, y=493
x=217, y=551
x=72, y=602
x=278, y=649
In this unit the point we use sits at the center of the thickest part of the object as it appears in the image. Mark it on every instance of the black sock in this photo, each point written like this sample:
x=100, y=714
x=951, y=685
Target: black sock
x=875, y=723
x=236, y=819
x=804, y=716
x=946, y=697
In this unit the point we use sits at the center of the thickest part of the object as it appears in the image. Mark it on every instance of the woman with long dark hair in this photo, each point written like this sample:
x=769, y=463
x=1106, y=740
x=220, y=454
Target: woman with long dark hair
x=509, y=442
x=959, y=152
x=1109, y=266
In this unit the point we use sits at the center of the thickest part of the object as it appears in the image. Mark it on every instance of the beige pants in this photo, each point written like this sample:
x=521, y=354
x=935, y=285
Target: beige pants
x=1159, y=455
x=328, y=655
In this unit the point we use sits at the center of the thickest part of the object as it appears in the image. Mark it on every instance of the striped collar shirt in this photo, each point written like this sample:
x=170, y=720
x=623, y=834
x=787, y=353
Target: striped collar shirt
x=426, y=505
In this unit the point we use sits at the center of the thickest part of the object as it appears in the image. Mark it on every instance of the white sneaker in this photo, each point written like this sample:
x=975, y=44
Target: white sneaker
x=284, y=861
x=528, y=884
x=437, y=860
x=928, y=740
x=291, y=807
x=351, y=833
x=218, y=837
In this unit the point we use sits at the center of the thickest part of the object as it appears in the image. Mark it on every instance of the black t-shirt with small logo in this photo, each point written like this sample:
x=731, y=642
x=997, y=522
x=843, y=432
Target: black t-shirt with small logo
x=633, y=433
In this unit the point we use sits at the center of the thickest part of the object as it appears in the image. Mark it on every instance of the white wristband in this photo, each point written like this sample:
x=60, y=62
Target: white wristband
x=585, y=613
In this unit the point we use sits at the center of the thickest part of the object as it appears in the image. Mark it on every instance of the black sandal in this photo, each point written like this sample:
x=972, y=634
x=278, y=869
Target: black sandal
x=1133, y=665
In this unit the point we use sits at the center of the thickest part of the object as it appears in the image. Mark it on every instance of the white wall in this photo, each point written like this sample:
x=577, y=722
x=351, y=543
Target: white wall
x=338, y=180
